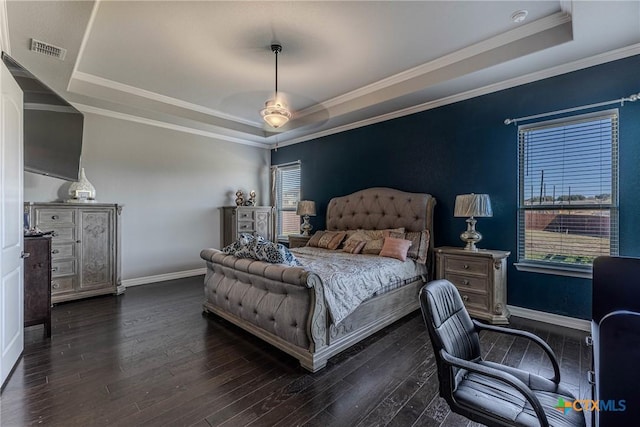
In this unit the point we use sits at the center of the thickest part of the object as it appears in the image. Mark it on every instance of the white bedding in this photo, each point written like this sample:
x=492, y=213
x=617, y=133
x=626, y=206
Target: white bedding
x=350, y=279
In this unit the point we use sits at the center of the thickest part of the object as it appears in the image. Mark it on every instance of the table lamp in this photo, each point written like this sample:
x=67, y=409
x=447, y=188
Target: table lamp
x=305, y=209
x=470, y=206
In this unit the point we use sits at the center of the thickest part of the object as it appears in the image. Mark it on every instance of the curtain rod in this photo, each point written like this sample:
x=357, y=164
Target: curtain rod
x=632, y=98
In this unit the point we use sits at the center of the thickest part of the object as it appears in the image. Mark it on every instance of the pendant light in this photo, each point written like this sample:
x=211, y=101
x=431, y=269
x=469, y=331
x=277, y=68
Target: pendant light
x=275, y=111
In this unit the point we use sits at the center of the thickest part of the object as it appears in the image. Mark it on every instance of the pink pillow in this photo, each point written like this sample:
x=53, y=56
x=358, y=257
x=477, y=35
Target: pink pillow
x=395, y=248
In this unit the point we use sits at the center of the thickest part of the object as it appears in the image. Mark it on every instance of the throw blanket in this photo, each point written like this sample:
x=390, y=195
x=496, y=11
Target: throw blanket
x=261, y=249
x=350, y=279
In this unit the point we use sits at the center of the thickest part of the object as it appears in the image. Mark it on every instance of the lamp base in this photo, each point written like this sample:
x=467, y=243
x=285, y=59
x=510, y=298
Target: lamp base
x=471, y=236
x=306, y=227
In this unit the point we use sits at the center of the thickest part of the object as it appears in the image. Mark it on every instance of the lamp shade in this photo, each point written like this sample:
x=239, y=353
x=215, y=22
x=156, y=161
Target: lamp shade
x=306, y=207
x=468, y=205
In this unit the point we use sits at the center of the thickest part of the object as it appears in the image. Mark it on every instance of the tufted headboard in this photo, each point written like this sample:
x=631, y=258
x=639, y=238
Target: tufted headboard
x=380, y=208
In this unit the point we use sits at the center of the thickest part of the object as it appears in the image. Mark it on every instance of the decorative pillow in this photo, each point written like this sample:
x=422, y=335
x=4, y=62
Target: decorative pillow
x=419, y=245
x=331, y=239
x=395, y=248
x=313, y=241
x=373, y=247
x=379, y=234
x=353, y=246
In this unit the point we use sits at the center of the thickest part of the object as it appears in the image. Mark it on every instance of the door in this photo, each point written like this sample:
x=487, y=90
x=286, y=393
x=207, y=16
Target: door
x=96, y=253
x=11, y=224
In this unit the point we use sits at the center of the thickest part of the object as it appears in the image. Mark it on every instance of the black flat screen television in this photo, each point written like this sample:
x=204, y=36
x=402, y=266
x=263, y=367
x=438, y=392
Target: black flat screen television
x=52, y=127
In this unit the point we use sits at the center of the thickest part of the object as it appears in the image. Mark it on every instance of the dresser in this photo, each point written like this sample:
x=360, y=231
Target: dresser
x=481, y=279
x=246, y=219
x=85, y=247
x=37, y=282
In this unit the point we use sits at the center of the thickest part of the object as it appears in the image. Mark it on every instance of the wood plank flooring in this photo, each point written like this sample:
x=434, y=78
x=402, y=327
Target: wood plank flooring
x=151, y=358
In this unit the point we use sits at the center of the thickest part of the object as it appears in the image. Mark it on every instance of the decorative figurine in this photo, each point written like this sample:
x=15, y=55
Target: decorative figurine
x=239, y=198
x=252, y=198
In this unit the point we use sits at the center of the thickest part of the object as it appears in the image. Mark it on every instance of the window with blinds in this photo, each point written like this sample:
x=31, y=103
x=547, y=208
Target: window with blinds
x=568, y=207
x=287, y=188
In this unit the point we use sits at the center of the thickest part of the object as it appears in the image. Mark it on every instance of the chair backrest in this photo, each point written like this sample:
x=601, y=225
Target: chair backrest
x=450, y=328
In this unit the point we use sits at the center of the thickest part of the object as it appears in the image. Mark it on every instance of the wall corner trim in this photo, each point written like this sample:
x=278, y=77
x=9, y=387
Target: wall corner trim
x=163, y=277
x=555, y=319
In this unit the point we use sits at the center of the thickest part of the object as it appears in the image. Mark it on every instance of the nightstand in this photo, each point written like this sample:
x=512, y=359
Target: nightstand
x=298, y=240
x=481, y=279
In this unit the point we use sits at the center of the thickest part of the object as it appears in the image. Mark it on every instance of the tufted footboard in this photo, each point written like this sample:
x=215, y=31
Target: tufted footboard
x=282, y=305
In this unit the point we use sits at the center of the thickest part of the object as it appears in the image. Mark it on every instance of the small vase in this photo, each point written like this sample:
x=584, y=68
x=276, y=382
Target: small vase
x=82, y=189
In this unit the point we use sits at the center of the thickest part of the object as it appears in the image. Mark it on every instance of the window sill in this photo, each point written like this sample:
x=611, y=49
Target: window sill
x=554, y=269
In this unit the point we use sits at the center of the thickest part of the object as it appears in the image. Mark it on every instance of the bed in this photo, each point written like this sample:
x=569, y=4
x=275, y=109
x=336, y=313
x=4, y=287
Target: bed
x=286, y=306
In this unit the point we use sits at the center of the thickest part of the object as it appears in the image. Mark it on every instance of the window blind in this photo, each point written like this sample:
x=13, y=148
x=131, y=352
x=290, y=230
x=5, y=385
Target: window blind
x=288, y=195
x=568, y=189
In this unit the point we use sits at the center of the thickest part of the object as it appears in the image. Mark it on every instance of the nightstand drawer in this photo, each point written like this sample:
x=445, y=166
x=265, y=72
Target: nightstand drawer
x=465, y=282
x=474, y=301
x=466, y=265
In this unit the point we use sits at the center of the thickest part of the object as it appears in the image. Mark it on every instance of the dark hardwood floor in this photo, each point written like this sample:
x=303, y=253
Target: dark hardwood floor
x=150, y=357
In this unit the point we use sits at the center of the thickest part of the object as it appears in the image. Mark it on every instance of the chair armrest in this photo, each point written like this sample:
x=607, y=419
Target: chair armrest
x=549, y=352
x=500, y=376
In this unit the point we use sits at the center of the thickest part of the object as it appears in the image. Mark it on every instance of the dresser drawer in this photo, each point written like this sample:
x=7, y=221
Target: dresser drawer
x=245, y=215
x=52, y=217
x=245, y=226
x=466, y=265
x=62, y=284
x=63, y=250
x=474, y=301
x=63, y=268
x=466, y=282
x=62, y=234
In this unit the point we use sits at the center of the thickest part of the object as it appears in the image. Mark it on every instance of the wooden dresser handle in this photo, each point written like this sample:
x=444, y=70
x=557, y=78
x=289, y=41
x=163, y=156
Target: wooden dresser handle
x=54, y=217
x=465, y=282
x=55, y=285
x=466, y=267
x=54, y=269
x=55, y=251
x=465, y=298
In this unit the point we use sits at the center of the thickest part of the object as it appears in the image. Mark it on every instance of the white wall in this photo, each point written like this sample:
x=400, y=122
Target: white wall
x=171, y=185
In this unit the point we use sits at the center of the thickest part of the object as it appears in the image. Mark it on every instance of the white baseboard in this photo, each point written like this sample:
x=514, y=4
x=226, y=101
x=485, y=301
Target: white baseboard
x=554, y=319
x=162, y=277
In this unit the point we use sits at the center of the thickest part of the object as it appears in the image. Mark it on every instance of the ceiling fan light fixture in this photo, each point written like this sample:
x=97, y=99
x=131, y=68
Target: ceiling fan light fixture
x=275, y=113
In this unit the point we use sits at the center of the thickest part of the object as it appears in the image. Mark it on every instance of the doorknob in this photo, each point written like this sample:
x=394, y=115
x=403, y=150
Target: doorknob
x=24, y=254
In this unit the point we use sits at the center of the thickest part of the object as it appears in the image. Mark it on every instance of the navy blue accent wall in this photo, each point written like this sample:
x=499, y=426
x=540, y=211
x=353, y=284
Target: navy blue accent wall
x=465, y=147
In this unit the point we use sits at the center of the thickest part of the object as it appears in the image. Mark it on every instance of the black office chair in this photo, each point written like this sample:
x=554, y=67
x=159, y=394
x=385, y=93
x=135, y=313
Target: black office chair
x=483, y=391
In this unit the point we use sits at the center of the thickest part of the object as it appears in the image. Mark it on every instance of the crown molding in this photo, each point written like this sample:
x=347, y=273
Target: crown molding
x=4, y=28
x=85, y=38
x=122, y=87
x=157, y=123
x=580, y=64
x=543, y=24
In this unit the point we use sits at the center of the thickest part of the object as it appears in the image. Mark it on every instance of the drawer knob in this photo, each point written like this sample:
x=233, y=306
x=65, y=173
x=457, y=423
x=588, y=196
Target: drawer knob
x=78, y=241
x=465, y=282
x=55, y=285
x=55, y=251
x=466, y=267
x=54, y=269
x=465, y=298
x=54, y=217
x=24, y=255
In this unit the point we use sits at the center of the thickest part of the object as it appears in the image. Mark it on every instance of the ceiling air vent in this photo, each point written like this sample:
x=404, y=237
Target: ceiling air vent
x=48, y=49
